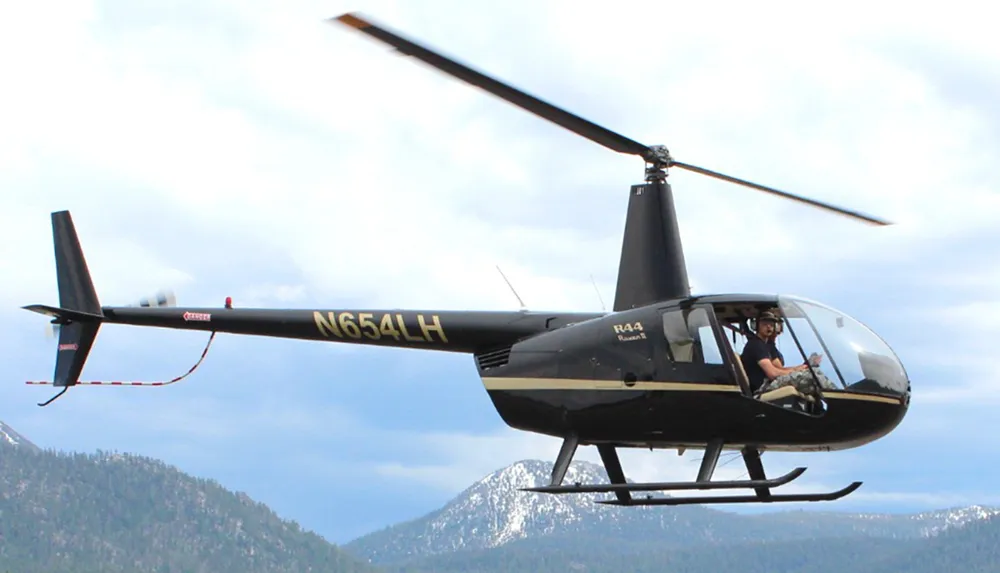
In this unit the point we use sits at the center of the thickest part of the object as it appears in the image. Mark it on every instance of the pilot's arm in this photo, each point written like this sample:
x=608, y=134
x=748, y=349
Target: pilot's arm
x=772, y=371
x=758, y=351
x=779, y=359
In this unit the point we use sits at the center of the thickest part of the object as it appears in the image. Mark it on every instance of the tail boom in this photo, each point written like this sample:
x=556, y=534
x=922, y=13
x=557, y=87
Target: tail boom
x=448, y=331
x=80, y=316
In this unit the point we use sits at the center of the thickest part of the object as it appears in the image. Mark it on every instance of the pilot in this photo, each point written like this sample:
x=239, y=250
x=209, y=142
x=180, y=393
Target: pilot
x=760, y=354
x=772, y=342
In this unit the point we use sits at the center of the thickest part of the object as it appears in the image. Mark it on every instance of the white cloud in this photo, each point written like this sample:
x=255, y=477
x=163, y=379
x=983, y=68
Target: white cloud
x=347, y=156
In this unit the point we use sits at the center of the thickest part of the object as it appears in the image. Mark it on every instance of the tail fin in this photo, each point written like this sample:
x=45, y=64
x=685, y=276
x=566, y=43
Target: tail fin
x=79, y=314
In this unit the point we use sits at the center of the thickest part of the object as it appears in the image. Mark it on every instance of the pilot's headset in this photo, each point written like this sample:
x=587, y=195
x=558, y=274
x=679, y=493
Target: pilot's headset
x=773, y=314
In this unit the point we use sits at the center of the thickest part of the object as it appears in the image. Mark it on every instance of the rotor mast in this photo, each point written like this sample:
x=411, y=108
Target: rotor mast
x=652, y=265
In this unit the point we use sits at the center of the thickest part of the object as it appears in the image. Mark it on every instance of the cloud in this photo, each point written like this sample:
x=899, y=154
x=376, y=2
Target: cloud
x=252, y=154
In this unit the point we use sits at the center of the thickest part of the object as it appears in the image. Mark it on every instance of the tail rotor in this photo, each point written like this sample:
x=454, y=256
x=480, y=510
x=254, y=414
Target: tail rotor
x=162, y=299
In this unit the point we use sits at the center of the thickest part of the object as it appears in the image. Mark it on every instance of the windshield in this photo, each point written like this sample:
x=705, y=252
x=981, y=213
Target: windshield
x=853, y=356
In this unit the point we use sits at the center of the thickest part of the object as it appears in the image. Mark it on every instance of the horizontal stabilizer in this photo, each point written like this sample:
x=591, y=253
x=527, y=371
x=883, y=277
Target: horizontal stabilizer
x=63, y=315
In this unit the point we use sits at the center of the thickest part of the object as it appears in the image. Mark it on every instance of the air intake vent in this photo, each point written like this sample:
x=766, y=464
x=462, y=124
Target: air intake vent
x=493, y=358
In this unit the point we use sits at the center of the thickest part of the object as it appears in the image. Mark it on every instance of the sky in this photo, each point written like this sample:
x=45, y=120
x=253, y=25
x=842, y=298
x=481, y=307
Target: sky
x=250, y=149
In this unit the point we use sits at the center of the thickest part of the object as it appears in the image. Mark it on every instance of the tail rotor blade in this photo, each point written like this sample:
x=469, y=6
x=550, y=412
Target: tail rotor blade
x=785, y=194
x=163, y=298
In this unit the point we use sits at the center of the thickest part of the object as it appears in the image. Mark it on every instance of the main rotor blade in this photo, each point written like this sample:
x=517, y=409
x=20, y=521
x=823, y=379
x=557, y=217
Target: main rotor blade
x=596, y=133
x=786, y=195
x=528, y=102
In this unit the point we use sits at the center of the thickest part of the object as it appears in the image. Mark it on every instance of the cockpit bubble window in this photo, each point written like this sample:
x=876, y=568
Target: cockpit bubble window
x=852, y=354
x=800, y=334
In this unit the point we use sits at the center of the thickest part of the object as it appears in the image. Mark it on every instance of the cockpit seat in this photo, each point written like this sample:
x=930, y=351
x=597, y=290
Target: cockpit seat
x=783, y=393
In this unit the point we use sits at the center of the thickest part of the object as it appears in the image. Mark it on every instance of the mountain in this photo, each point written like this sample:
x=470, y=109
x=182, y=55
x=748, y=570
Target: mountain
x=971, y=548
x=493, y=514
x=12, y=438
x=114, y=513
x=974, y=548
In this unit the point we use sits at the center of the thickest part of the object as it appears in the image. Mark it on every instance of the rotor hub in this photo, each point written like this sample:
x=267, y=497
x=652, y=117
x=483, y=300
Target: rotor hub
x=657, y=161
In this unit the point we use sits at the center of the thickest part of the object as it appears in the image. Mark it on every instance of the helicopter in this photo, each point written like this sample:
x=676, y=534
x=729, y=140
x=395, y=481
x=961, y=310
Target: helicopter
x=657, y=371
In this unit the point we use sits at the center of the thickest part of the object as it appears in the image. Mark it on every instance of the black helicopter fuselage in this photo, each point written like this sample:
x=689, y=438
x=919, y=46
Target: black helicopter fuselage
x=607, y=378
x=610, y=380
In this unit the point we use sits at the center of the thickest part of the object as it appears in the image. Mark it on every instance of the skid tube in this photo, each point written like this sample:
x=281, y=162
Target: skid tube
x=623, y=490
x=705, y=500
x=667, y=486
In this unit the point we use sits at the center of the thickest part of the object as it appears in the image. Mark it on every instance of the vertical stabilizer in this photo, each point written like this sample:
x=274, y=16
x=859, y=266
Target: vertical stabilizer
x=79, y=313
x=76, y=289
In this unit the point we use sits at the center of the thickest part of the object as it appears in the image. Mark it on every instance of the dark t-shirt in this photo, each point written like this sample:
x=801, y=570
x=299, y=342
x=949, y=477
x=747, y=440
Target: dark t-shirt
x=775, y=353
x=755, y=351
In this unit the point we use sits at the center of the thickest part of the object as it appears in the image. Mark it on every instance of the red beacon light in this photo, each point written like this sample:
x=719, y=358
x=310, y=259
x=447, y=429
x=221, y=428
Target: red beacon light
x=229, y=302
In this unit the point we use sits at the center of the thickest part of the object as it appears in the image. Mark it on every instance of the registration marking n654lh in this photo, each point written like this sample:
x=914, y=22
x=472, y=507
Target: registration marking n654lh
x=349, y=325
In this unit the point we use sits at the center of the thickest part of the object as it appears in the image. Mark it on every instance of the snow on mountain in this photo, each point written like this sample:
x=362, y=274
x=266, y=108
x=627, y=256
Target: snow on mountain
x=494, y=513
x=934, y=522
x=10, y=437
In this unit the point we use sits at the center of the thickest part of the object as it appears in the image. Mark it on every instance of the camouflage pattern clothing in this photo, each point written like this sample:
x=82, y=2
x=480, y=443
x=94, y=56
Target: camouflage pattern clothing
x=802, y=381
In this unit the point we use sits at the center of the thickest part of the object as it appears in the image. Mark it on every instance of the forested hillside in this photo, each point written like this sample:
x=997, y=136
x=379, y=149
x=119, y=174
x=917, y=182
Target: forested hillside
x=62, y=513
x=122, y=513
x=972, y=549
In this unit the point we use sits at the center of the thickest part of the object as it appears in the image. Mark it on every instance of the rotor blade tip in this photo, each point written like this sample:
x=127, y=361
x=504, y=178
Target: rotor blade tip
x=875, y=221
x=352, y=20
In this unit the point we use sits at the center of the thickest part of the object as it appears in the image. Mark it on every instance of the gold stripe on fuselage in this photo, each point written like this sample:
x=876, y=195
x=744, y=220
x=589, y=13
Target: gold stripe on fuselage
x=586, y=384
x=841, y=395
x=503, y=383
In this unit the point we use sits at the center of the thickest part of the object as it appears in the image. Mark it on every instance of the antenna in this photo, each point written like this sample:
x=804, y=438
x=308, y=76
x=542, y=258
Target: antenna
x=603, y=308
x=523, y=307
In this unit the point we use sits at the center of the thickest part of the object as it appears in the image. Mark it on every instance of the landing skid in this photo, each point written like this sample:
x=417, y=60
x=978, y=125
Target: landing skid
x=736, y=498
x=668, y=486
x=623, y=490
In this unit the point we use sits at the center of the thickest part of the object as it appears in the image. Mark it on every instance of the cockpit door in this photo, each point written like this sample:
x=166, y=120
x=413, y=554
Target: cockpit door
x=696, y=349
